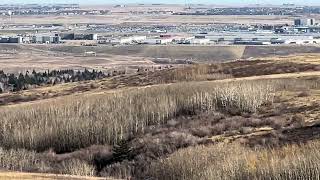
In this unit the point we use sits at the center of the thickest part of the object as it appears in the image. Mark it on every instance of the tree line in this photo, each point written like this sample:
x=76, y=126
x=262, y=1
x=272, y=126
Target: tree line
x=23, y=81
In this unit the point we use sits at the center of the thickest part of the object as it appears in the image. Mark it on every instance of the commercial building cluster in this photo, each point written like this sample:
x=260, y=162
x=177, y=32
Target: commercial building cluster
x=47, y=38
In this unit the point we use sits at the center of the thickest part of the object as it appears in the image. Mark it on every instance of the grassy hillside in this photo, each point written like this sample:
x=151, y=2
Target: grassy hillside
x=235, y=120
x=303, y=64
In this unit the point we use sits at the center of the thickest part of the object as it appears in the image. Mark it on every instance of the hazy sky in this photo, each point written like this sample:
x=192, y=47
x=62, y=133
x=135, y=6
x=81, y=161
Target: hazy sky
x=300, y=2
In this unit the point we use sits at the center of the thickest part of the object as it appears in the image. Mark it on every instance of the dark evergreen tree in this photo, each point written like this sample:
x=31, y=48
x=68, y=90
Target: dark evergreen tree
x=122, y=151
x=12, y=82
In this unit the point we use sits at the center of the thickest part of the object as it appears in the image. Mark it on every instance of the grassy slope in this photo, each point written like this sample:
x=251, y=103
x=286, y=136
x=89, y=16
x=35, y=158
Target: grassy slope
x=297, y=104
x=304, y=65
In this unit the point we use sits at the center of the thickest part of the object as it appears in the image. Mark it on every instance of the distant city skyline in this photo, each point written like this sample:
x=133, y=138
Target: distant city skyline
x=218, y=2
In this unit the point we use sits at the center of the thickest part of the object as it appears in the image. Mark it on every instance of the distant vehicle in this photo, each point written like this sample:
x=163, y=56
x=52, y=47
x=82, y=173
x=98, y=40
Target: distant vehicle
x=159, y=31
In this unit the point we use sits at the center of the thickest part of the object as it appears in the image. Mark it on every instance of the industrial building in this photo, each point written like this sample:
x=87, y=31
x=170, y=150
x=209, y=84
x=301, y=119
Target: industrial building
x=45, y=39
x=85, y=37
x=305, y=22
x=124, y=40
x=158, y=40
x=251, y=42
x=183, y=39
x=73, y=36
x=11, y=40
x=38, y=39
x=200, y=41
x=310, y=40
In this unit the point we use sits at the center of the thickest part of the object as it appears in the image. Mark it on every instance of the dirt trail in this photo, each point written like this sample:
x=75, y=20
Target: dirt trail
x=30, y=176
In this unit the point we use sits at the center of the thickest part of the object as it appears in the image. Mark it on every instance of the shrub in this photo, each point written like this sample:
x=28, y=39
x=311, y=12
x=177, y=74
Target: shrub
x=21, y=160
x=71, y=123
x=77, y=167
x=234, y=162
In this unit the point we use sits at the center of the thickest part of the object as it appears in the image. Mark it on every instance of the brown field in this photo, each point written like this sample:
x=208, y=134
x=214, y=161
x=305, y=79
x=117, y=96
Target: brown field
x=125, y=18
x=19, y=58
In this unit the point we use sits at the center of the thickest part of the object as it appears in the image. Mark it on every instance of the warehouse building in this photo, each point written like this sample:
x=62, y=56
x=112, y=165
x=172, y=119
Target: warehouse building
x=158, y=40
x=11, y=40
x=305, y=22
x=200, y=41
x=45, y=39
x=125, y=40
x=251, y=42
x=73, y=36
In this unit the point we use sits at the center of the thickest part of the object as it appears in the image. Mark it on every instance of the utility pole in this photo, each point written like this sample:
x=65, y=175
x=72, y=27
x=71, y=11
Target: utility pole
x=10, y=14
x=187, y=4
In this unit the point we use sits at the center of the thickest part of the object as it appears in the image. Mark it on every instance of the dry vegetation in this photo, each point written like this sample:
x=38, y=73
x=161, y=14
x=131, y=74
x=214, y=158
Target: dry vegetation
x=73, y=123
x=12, y=175
x=107, y=118
x=218, y=121
x=127, y=18
x=235, y=162
x=77, y=167
x=199, y=72
x=20, y=58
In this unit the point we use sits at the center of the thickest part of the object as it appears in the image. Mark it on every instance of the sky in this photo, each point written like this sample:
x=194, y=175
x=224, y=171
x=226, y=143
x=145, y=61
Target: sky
x=222, y=2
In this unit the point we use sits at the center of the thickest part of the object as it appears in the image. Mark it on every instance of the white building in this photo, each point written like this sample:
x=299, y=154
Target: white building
x=183, y=39
x=200, y=41
x=128, y=40
x=95, y=37
x=301, y=41
x=138, y=39
x=158, y=40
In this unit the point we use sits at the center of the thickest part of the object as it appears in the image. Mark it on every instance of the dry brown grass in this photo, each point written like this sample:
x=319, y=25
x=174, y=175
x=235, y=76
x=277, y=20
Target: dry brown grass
x=77, y=167
x=31, y=161
x=227, y=162
x=5, y=175
x=169, y=101
x=198, y=72
x=311, y=58
x=71, y=123
x=127, y=18
x=18, y=160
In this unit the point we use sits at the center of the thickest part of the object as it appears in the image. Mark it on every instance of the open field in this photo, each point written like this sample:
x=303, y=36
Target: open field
x=297, y=58
x=127, y=19
x=19, y=58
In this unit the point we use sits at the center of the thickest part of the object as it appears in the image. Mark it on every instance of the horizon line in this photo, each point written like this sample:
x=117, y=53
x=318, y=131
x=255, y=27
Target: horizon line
x=217, y=4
